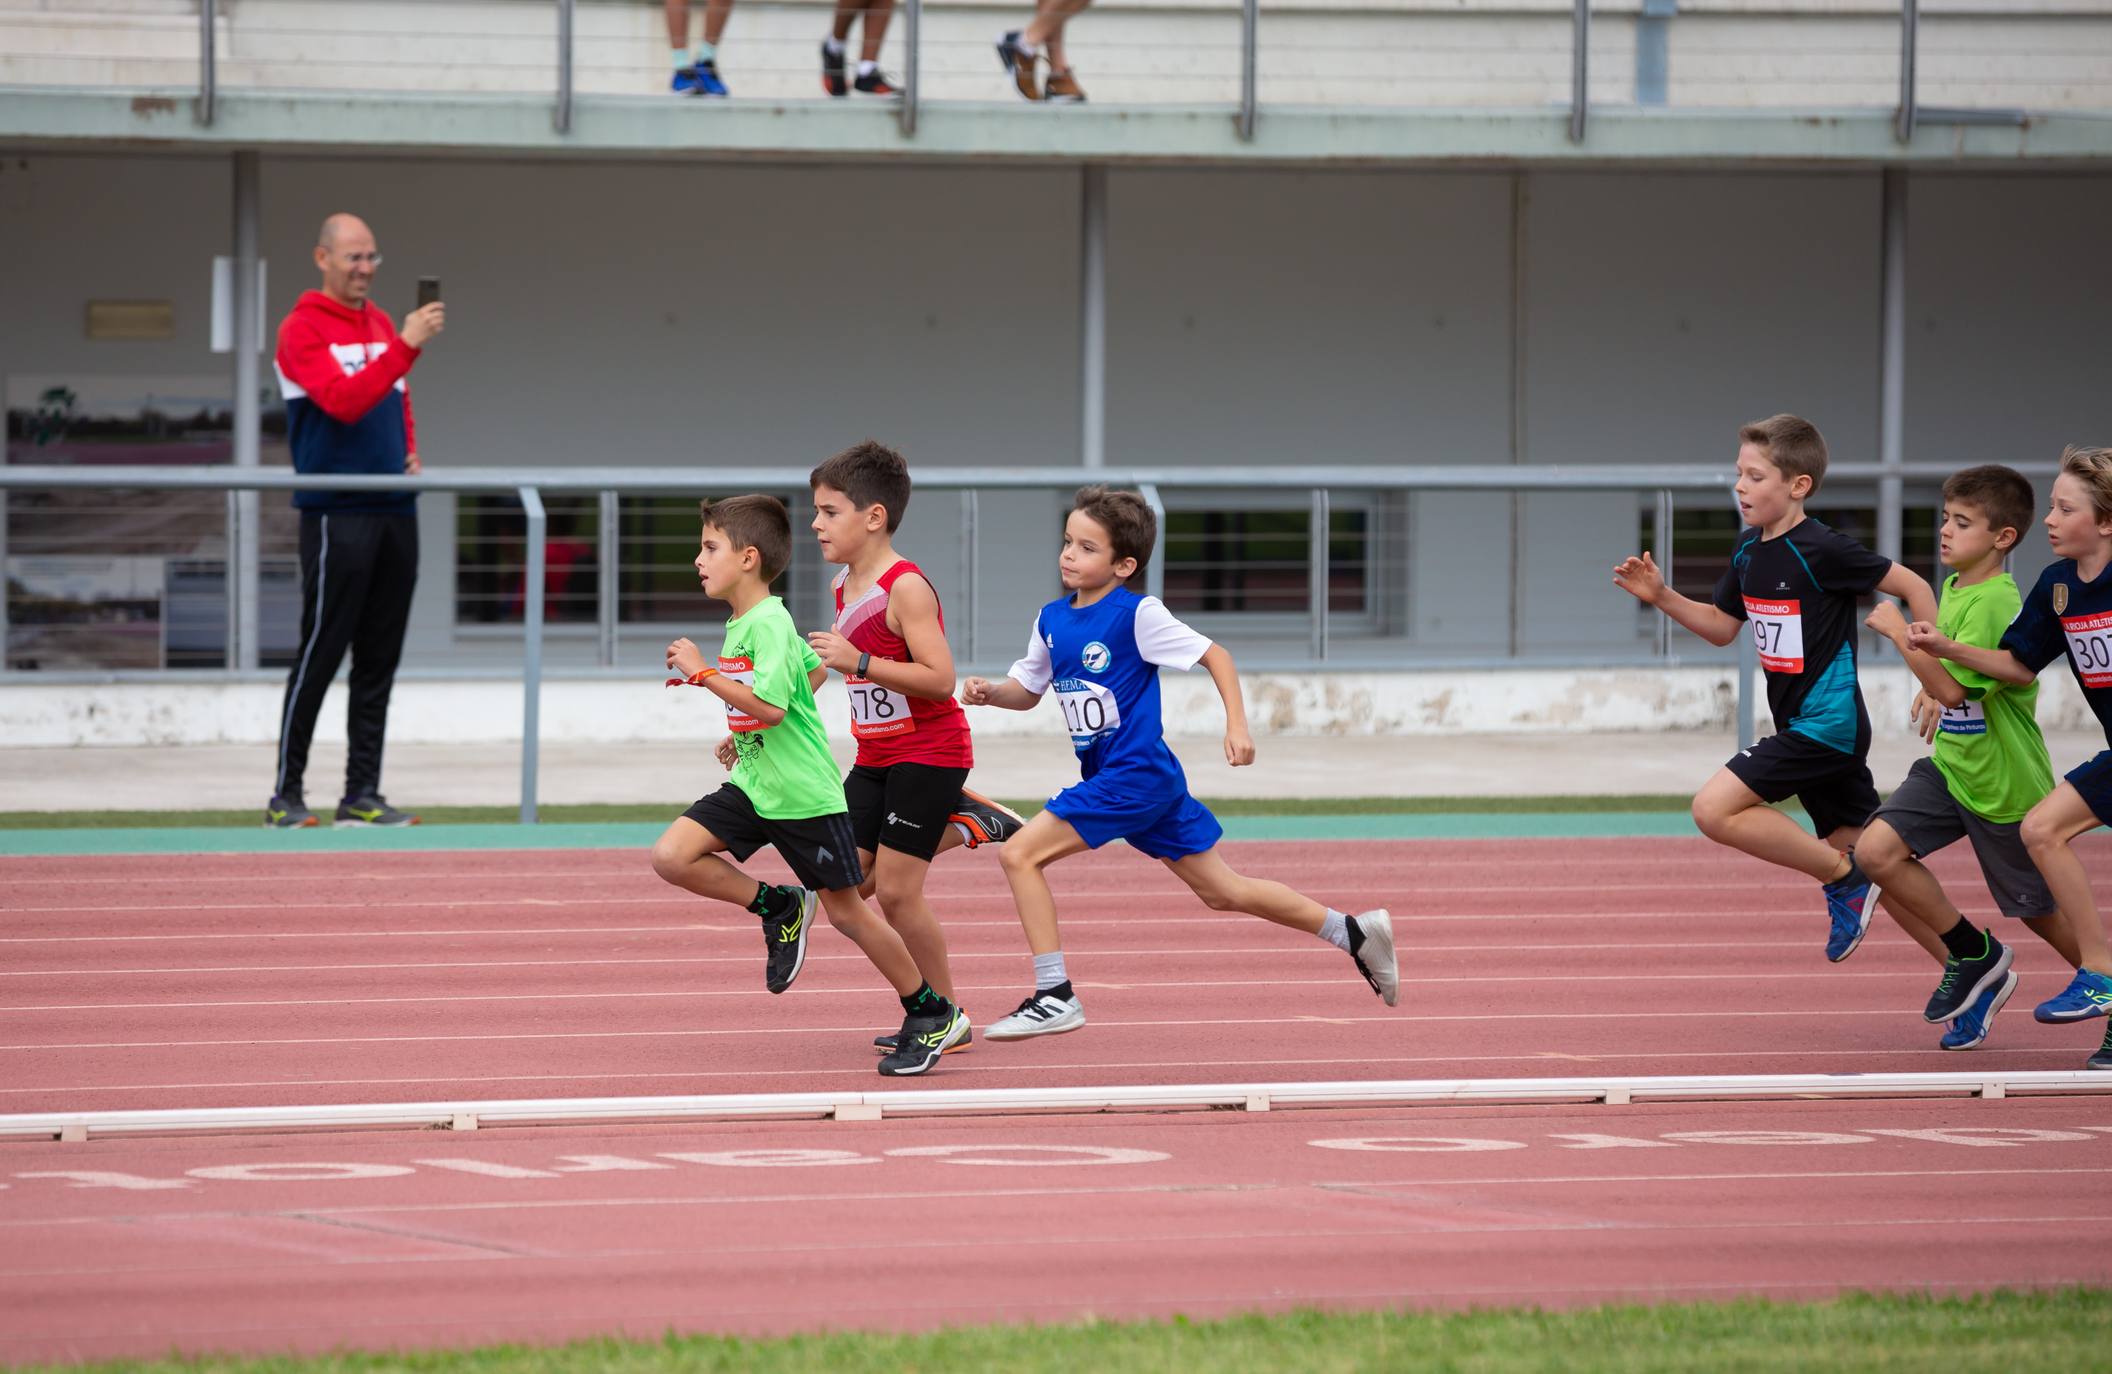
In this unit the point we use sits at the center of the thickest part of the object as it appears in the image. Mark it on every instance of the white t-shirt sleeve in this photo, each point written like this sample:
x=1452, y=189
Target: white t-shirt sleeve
x=1165, y=641
x=1035, y=671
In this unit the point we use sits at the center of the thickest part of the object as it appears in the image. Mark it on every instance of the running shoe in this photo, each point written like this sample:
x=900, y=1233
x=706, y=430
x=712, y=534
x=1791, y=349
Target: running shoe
x=888, y=1044
x=288, y=813
x=2088, y=994
x=832, y=70
x=708, y=82
x=371, y=810
x=1972, y=1024
x=1849, y=902
x=875, y=83
x=1019, y=64
x=785, y=937
x=982, y=821
x=685, y=82
x=1062, y=88
x=1965, y=979
x=922, y=1040
x=1371, y=945
x=1043, y=1013
x=2103, y=1058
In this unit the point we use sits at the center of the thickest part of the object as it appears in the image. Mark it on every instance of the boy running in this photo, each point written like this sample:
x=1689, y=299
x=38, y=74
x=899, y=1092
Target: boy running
x=1796, y=581
x=1988, y=769
x=2068, y=612
x=784, y=790
x=1101, y=646
x=889, y=642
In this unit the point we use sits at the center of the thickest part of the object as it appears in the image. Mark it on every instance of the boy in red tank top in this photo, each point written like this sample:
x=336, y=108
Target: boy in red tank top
x=905, y=792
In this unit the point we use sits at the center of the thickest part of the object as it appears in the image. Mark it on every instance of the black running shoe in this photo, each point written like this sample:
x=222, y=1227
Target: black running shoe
x=922, y=1040
x=372, y=810
x=983, y=821
x=288, y=813
x=1965, y=979
x=888, y=1044
x=874, y=83
x=785, y=937
x=2103, y=1058
x=832, y=71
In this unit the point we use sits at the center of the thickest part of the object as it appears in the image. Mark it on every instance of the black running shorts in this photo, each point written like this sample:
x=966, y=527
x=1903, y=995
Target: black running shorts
x=903, y=806
x=822, y=850
x=1834, y=787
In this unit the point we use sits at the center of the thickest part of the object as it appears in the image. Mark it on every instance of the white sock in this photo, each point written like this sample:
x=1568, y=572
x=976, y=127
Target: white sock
x=681, y=58
x=834, y=45
x=1049, y=971
x=1335, y=930
x=866, y=68
x=707, y=52
x=1026, y=48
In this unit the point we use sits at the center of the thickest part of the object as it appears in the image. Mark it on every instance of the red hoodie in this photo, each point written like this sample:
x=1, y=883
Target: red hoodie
x=343, y=372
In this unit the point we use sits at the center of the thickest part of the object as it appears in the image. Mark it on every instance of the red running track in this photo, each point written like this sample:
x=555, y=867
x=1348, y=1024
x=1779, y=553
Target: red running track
x=230, y=981
x=220, y=981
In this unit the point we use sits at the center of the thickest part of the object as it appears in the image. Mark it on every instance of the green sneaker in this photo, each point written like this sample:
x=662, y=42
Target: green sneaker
x=288, y=813
x=371, y=810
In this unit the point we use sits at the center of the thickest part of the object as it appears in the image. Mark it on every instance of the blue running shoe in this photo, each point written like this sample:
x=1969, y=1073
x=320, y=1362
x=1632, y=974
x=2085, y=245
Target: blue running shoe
x=685, y=82
x=708, y=82
x=1849, y=902
x=1971, y=1025
x=2088, y=994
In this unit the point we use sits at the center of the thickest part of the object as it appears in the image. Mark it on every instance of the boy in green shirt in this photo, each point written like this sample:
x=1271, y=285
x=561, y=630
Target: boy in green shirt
x=784, y=791
x=1989, y=767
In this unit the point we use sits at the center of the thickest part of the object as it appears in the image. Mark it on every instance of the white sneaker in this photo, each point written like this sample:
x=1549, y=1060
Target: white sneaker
x=1375, y=956
x=1041, y=1014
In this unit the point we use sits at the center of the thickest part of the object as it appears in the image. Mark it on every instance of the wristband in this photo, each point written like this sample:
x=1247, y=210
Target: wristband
x=865, y=661
x=695, y=679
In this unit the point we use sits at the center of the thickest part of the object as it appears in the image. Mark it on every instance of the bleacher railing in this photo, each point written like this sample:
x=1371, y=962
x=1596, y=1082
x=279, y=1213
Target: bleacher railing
x=1660, y=486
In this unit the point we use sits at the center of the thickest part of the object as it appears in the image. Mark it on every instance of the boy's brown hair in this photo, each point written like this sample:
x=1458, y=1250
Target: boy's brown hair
x=2001, y=494
x=2093, y=467
x=1792, y=443
x=1132, y=530
x=754, y=522
x=871, y=474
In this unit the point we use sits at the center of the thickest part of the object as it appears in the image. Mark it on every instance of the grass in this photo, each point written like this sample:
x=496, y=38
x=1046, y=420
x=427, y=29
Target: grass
x=249, y=817
x=2006, y=1331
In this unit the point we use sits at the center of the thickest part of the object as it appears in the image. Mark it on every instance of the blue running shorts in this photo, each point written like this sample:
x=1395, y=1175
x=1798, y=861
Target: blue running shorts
x=1101, y=809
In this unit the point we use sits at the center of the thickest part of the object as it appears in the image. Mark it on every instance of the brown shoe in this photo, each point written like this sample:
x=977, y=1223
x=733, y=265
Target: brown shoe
x=1063, y=88
x=1020, y=63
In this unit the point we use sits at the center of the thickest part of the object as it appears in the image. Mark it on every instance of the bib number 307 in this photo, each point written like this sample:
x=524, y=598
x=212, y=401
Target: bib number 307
x=2090, y=646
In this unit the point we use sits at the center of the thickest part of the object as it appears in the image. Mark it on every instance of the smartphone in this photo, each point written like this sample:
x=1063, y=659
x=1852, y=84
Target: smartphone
x=428, y=291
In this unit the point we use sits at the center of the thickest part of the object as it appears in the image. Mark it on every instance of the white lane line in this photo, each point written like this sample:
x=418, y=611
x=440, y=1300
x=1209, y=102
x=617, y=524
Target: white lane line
x=1507, y=1180
x=952, y=923
x=1707, y=975
x=954, y=1066
x=254, y=1042
x=1076, y=948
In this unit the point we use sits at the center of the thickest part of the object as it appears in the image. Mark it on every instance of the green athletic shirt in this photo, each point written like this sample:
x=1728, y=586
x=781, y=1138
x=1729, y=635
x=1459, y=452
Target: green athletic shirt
x=1990, y=749
x=786, y=769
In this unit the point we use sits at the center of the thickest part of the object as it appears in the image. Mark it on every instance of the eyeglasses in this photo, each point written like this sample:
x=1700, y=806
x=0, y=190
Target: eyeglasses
x=364, y=259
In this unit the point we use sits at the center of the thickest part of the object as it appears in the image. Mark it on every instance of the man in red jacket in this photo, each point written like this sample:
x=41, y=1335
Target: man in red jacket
x=344, y=371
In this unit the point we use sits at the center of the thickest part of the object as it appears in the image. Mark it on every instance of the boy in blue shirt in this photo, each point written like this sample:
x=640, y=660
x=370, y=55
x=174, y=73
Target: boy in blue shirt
x=1101, y=645
x=2068, y=612
x=1795, y=581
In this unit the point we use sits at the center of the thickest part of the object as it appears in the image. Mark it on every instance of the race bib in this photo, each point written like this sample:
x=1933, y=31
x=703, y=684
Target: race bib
x=877, y=711
x=2090, y=646
x=1778, y=632
x=1089, y=710
x=741, y=670
x=1969, y=718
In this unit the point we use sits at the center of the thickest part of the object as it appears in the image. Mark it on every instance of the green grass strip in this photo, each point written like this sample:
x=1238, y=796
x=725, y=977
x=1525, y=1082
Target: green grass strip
x=640, y=813
x=2061, y=1329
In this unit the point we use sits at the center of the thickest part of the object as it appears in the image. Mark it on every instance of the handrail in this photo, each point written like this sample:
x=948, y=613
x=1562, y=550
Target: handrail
x=208, y=73
x=1909, y=52
x=565, y=46
x=1579, y=70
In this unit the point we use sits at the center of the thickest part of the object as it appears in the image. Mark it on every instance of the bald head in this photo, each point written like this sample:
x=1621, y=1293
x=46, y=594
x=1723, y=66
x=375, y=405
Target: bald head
x=345, y=255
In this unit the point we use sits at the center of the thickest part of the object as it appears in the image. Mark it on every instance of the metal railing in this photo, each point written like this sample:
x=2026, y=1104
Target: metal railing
x=1661, y=484
x=1910, y=114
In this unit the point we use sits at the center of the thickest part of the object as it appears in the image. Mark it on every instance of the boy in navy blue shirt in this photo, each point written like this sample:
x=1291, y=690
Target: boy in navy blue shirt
x=1100, y=646
x=1795, y=581
x=2068, y=612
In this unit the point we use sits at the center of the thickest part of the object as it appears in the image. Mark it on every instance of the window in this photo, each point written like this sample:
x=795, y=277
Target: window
x=1260, y=560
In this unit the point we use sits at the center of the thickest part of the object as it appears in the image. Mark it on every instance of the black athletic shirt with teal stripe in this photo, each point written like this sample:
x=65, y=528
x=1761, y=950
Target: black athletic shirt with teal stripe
x=1799, y=591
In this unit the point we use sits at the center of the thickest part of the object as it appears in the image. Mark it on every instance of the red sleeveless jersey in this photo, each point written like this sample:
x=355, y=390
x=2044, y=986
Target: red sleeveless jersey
x=892, y=727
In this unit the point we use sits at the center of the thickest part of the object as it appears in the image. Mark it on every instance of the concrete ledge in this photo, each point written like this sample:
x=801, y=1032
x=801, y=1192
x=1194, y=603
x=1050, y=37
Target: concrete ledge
x=81, y=120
